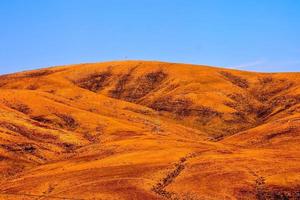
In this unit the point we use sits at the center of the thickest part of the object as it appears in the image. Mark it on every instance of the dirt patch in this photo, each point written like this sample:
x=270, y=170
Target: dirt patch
x=94, y=82
x=236, y=80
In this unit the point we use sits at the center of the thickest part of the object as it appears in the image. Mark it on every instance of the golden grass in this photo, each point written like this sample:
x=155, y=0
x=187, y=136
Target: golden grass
x=149, y=130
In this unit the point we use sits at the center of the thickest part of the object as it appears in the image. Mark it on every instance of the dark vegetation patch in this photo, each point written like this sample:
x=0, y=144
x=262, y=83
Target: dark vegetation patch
x=51, y=91
x=265, y=192
x=23, y=108
x=94, y=82
x=146, y=84
x=126, y=134
x=171, y=86
x=120, y=87
x=65, y=121
x=93, y=138
x=2, y=158
x=237, y=118
x=280, y=103
x=268, y=87
x=24, y=148
x=236, y=80
x=183, y=107
x=179, y=107
x=272, y=94
x=140, y=111
x=286, y=101
x=246, y=109
x=3, y=77
x=32, y=87
x=68, y=121
x=68, y=147
x=206, y=112
x=44, y=122
x=289, y=130
x=127, y=87
x=28, y=133
x=248, y=113
x=267, y=98
x=140, y=88
x=243, y=103
x=160, y=187
x=262, y=191
x=2, y=83
x=42, y=119
x=35, y=136
x=12, y=170
x=38, y=73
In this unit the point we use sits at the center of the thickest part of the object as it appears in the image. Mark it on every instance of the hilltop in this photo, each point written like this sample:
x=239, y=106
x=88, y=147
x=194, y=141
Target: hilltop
x=149, y=130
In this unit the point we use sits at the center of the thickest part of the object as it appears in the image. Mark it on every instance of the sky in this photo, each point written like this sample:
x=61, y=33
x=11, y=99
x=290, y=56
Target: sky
x=255, y=35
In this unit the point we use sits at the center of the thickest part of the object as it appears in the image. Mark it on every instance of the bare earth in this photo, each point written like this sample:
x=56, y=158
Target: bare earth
x=149, y=130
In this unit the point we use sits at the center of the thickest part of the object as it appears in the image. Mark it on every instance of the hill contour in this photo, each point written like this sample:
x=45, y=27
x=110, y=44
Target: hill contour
x=149, y=130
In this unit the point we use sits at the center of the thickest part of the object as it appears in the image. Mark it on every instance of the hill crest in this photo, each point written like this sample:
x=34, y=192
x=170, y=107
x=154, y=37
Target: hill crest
x=122, y=120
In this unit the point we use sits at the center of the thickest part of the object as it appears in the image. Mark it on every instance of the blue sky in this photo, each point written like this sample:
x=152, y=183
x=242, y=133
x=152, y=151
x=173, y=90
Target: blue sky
x=261, y=35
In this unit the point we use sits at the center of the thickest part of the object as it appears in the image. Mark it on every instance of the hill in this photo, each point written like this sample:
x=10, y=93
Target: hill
x=149, y=130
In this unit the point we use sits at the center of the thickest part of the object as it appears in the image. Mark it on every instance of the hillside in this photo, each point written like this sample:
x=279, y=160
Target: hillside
x=149, y=130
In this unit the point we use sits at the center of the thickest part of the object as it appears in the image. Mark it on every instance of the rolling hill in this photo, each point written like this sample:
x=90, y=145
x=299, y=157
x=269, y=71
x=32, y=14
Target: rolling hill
x=149, y=130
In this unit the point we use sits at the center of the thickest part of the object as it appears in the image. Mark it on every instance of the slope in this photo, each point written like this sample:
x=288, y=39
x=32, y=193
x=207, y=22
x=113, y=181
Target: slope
x=149, y=130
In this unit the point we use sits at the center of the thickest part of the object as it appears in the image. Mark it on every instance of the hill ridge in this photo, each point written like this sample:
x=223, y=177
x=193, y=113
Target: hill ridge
x=113, y=130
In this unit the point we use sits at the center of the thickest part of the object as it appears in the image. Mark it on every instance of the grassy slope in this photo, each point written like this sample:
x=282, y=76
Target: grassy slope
x=149, y=130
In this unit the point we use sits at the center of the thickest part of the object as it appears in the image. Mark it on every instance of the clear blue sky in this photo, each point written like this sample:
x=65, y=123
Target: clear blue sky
x=261, y=35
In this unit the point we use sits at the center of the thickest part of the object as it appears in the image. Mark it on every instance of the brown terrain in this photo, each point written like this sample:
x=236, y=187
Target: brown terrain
x=149, y=130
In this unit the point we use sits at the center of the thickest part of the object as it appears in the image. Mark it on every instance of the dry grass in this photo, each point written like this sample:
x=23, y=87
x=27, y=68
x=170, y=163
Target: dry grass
x=149, y=130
